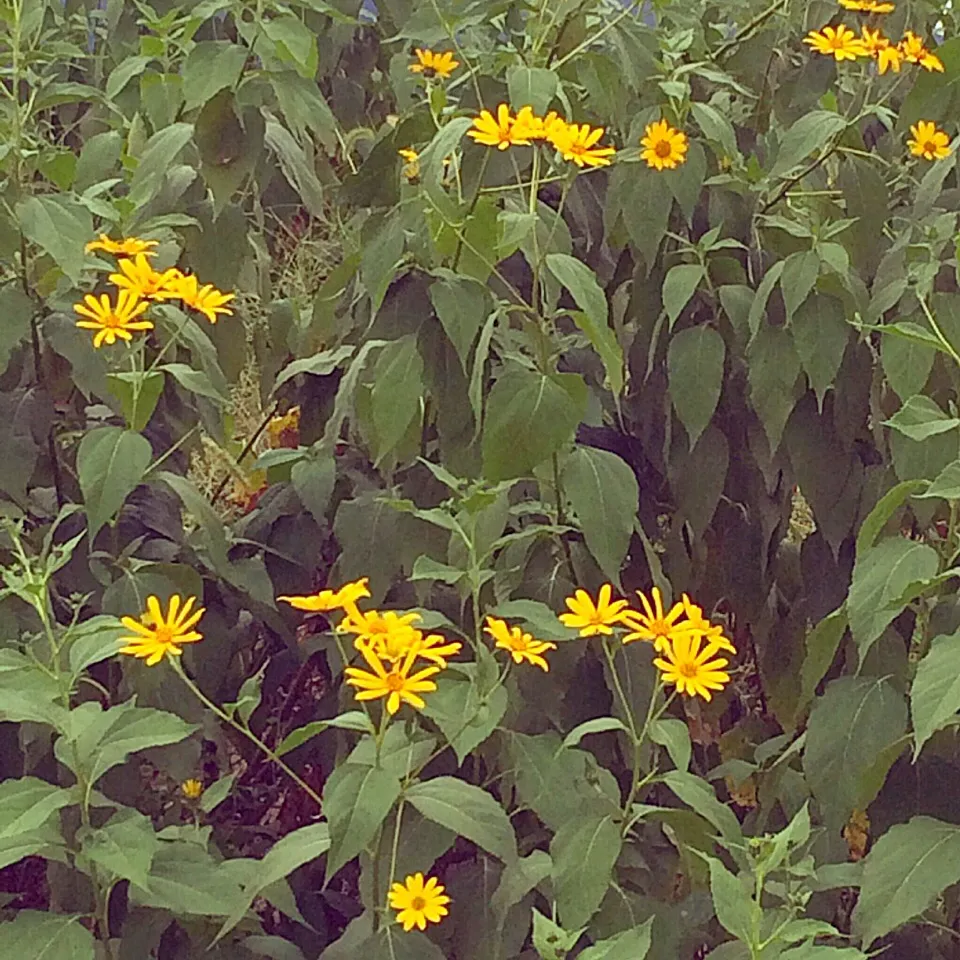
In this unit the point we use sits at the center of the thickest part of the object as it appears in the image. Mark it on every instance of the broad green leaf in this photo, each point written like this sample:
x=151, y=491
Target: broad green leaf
x=299, y=172
x=158, y=156
x=320, y=365
x=211, y=66
x=314, y=478
x=686, y=181
x=94, y=641
x=699, y=796
x=550, y=940
x=397, y=390
x=400, y=751
x=39, y=935
x=881, y=576
x=426, y=569
x=717, y=127
x=216, y=793
x=947, y=484
x=468, y=811
x=678, y=287
x=800, y=271
x=645, y=207
x=356, y=800
x=604, y=493
x=608, y=348
x=531, y=86
x=303, y=106
x=529, y=417
x=17, y=309
x=28, y=824
x=215, y=534
x=465, y=717
x=110, y=463
x=807, y=135
x=795, y=834
x=698, y=476
x=138, y=394
x=584, y=851
x=583, y=285
x=597, y=725
x=124, y=846
x=821, y=647
x=355, y=720
x=631, y=944
x=920, y=417
x=462, y=306
x=294, y=42
x=736, y=910
x=28, y=693
x=60, y=226
x=935, y=692
x=759, y=304
x=813, y=951
x=820, y=334
x=517, y=880
x=886, y=507
x=851, y=726
x=907, y=362
x=196, y=381
x=674, y=735
x=903, y=873
x=695, y=369
x=123, y=73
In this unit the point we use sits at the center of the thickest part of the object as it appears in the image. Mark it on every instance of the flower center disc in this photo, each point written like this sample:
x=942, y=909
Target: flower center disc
x=663, y=148
x=929, y=147
x=418, y=903
x=164, y=634
x=394, y=682
x=688, y=670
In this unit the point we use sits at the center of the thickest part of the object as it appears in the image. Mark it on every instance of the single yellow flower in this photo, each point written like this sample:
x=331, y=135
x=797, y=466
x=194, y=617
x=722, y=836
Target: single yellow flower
x=112, y=323
x=434, y=64
x=158, y=636
x=418, y=903
x=500, y=132
x=889, y=58
x=191, y=789
x=139, y=277
x=591, y=619
x=928, y=142
x=397, y=685
x=207, y=299
x=653, y=624
x=577, y=143
x=840, y=43
x=128, y=247
x=915, y=51
x=436, y=648
x=868, y=6
x=873, y=40
x=691, y=668
x=696, y=622
x=521, y=645
x=327, y=601
x=663, y=146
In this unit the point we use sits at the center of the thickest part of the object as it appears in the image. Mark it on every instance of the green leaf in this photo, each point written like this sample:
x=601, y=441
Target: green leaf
x=517, y=880
x=294, y=42
x=550, y=940
x=60, y=226
x=800, y=272
x=813, y=951
x=94, y=641
x=886, y=507
x=530, y=416
x=880, y=578
x=717, y=127
x=123, y=73
x=196, y=381
x=211, y=66
x=935, y=693
x=907, y=362
x=531, y=86
x=215, y=535
x=465, y=716
x=608, y=348
x=462, y=306
x=947, y=484
x=468, y=811
x=426, y=569
x=583, y=285
x=299, y=172
x=138, y=393
x=28, y=693
x=679, y=287
x=314, y=478
x=698, y=476
x=632, y=944
x=303, y=106
x=356, y=800
x=597, y=725
x=17, y=310
x=584, y=852
x=809, y=134
x=920, y=417
x=397, y=390
x=820, y=334
x=604, y=493
x=28, y=824
x=320, y=365
x=355, y=720
x=736, y=910
x=699, y=796
x=158, y=156
x=759, y=305
x=38, y=935
x=110, y=463
x=645, y=207
x=821, y=647
x=675, y=736
x=124, y=846
x=695, y=368
x=903, y=874
x=851, y=726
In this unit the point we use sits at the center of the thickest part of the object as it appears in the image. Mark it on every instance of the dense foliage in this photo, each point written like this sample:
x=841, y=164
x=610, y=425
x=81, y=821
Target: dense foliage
x=479, y=479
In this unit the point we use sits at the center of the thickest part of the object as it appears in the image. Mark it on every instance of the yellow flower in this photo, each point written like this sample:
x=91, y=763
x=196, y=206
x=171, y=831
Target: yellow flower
x=577, y=143
x=328, y=600
x=191, y=789
x=873, y=40
x=889, y=58
x=928, y=142
x=397, y=685
x=691, y=668
x=435, y=648
x=500, y=132
x=434, y=64
x=914, y=51
x=411, y=168
x=207, y=299
x=158, y=636
x=139, y=277
x=696, y=622
x=129, y=247
x=663, y=146
x=868, y=6
x=417, y=902
x=111, y=322
x=840, y=43
x=653, y=624
x=283, y=430
x=521, y=645
x=391, y=634
x=591, y=619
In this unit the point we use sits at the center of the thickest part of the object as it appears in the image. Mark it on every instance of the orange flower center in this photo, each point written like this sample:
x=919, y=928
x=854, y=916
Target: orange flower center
x=164, y=634
x=929, y=146
x=688, y=669
x=111, y=321
x=394, y=682
x=663, y=149
x=418, y=904
x=660, y=627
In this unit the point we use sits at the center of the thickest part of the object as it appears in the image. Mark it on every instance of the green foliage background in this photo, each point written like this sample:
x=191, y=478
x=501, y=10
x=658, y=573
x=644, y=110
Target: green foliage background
x=499, y=403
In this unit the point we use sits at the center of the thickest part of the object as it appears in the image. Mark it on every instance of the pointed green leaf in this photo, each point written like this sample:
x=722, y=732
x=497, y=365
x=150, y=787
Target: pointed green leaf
x=38, y=935
x=695, y=368
x=920, y=417
x=678, y=287
x=935, y=693
x=811, y=132
x=584, y=852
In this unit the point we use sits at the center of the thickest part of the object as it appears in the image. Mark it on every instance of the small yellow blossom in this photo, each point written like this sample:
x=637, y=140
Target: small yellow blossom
x=128, y=247
x=435, y=648
x=664, y=147
x=397, y=684
x=578, y=144
x=840, y=43
x=521, y=645
x=388, y=631
x=207, y=299
x=592, y=618
x=434, y=64
x=868, y=6
x=929, y=142
x=653, y=624
x=915, y=51
x=501, y=131
x=191, y=789
x=112, y=323
x=690, y=668
x=698, y=623
x=139, y=277
x=158, y=636
x=418, y=903
x=327, y=601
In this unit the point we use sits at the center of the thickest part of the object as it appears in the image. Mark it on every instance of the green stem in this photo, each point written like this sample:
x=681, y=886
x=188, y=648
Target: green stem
x=947, y=346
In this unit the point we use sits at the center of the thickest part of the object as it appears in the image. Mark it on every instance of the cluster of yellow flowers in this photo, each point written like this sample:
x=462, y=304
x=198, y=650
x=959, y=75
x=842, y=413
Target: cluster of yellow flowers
x=137, y=286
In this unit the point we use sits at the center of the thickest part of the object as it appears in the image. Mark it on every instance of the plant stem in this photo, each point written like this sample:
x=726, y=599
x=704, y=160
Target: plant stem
x=947, y=346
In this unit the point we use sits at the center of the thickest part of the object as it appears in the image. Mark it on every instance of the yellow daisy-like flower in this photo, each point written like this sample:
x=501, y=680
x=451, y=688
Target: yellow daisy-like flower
x=128, y=247
x=915, y=51
x=397, y=685
x=207, y=299
x=112, y=322
x=696, y=622
x=532, y=127
x=868, y=6
x=929, y=142
x=889, y=57
x=432, y=64
x=501, y=131
x=840, y=43
x=578, y=144
x=653, y=624
x=873, y=40
x=690, y=668
x=391, y=633
x=663, y=147
x=418, y=903
x=327, y=601
x=435, y=648
x=521, y=645
x=191, y=789
x=139, y=277
x=159, y=636
x=592, y=618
